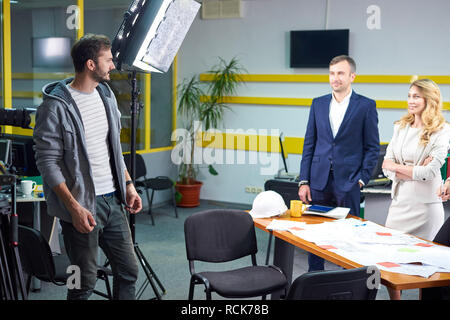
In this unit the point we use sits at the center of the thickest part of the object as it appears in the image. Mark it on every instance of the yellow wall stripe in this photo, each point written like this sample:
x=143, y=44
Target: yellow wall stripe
x=250, y=142
x=237, y=141
x=306, y=102
x=38, y=94
x=6, y=67
x=384, y=79
x=314, y=78
x=26, y=94
x=80, y=30
x=151, y=150
x=323, y=78
x=265, y=100
x=381, y=104
x=115, y=75
x=274, y=77
x=147, y=110
x=156, y=150
x=293, y=145
x=174, y=94
x=41, y=76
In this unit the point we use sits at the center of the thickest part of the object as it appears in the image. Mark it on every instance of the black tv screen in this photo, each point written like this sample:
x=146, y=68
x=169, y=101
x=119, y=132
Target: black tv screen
x=316, y=48
x=52, y=52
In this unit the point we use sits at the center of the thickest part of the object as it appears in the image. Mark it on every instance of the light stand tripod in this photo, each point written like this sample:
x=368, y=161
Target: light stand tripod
x=11, y=277
x=151, y=276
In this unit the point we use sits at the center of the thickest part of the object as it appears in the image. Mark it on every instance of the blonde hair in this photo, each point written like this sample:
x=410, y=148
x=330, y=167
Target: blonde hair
x=432, y=117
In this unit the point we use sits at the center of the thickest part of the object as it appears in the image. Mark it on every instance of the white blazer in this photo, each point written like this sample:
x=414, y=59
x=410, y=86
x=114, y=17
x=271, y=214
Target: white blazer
x=427, y=179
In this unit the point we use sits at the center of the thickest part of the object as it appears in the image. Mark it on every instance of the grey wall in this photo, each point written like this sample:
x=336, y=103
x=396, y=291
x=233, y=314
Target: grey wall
x=413, y=39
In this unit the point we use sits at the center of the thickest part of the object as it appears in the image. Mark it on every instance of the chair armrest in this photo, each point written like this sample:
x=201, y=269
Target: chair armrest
x=200, y=279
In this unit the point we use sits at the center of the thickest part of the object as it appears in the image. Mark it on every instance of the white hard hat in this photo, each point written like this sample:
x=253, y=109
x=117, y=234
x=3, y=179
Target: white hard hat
x=268, y=204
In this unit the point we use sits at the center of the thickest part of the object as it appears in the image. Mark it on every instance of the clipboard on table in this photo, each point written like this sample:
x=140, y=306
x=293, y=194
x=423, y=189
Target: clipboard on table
x=329, y=212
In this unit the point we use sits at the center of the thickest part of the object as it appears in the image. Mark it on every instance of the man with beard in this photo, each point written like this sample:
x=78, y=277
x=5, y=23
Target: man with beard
x=341, y=145
x=79, y=155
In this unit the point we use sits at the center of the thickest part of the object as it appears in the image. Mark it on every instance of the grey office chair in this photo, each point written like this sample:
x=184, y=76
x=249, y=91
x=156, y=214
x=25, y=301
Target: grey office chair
x=217, y=236
x=157, y=183
x=38, y=261
x=349, y=284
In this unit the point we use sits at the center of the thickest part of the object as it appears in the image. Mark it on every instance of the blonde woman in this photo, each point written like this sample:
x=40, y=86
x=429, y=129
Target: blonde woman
x=413, y=160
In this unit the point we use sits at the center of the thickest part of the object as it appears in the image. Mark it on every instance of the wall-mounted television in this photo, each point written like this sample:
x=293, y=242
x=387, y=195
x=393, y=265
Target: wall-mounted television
x=52, y=52
x=316, y=48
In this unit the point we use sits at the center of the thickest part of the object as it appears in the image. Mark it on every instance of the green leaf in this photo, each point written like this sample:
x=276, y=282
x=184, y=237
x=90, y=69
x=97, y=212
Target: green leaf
x=178, y=197
x=212, y=170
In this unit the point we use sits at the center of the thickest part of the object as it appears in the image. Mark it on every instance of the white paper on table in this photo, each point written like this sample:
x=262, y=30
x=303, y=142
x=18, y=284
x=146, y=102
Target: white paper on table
x=316, y=232
x=284, y=225
x=424, y=271
x=358, y=241
x=372, y=254
x=437, y=256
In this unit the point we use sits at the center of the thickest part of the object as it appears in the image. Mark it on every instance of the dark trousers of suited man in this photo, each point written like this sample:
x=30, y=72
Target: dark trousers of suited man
x=341, y=145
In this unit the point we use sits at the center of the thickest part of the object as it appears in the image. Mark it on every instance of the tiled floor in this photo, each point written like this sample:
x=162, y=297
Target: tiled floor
x=163, y=246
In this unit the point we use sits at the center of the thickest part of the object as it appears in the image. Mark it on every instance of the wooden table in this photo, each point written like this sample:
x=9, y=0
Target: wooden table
x=284, y=247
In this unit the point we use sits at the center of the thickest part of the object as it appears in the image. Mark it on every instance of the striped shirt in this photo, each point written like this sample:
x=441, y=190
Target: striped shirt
x=96, y=128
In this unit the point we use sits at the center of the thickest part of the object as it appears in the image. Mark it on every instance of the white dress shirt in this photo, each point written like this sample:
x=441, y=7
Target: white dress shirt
x=337, y=112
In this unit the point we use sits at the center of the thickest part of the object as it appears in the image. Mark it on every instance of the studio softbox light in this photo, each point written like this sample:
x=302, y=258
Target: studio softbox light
x=151, y=34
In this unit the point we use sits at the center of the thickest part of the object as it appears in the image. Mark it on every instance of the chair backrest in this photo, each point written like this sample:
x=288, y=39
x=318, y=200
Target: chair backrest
x=141, y=170
x=219, y=235
x=443, y=235
x=35, y=254
x=159, y=183
x=349, y=284
x=287, y=189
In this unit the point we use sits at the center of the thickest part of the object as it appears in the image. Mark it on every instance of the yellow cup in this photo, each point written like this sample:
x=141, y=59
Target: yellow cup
x=297, y=208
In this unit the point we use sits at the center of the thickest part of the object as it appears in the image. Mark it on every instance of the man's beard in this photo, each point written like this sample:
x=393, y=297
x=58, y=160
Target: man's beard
x=100, y=77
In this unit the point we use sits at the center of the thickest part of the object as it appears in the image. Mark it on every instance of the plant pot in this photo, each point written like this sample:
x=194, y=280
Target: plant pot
x=190, y=194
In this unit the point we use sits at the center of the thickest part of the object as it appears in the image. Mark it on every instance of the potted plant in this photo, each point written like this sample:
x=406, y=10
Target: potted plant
x=202, y=103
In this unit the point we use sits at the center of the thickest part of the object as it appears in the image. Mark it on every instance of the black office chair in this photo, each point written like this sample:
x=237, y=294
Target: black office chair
x=288, y=191
x=439, y=293
x=225, y=235
x=158, y=183
x=333, y=285
x=38, y=261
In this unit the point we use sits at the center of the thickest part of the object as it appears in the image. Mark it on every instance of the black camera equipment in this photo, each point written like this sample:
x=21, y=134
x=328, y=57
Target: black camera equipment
x=11, y=274
x=16, y=117
x=147, y=41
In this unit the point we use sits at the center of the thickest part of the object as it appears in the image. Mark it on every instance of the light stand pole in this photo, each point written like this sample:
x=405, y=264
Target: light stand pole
x=150, y=274
x=147, y=41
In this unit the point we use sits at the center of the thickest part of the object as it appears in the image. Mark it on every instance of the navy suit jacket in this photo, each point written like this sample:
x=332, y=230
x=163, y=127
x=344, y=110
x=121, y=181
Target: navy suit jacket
x=354, y=151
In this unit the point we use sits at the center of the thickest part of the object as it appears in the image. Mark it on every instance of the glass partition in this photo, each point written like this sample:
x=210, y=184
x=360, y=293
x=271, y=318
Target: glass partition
x=40, y=49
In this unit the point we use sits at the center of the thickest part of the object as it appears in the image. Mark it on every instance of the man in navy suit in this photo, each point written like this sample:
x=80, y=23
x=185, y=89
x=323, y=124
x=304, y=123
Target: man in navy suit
x=341, y=145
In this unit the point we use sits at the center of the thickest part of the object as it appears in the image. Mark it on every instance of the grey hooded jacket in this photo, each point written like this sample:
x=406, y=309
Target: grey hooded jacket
x=61, y=154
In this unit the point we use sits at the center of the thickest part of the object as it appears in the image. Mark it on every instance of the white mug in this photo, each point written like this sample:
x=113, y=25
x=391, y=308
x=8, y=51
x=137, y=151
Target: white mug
x=28, y=187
